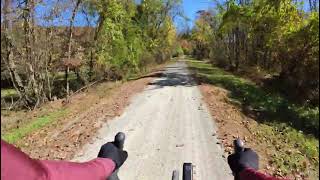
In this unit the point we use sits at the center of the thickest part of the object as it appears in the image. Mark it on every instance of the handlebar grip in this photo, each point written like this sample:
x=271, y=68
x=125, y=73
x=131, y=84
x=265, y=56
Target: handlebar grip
x=119, y=140
x=238, y=145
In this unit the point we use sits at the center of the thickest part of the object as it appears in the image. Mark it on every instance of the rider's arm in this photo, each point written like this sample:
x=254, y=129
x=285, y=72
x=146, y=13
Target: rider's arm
x=252, y=174
x=98, y=168
x=17, y=165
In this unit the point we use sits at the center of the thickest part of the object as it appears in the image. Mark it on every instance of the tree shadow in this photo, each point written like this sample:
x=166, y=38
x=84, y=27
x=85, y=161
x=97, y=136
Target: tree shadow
x=259, y=103
x=173, y=76
x=59, y=86
x=153, y=74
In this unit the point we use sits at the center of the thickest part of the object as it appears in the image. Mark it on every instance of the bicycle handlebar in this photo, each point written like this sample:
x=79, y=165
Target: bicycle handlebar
x=119, y=142
x=238, y=145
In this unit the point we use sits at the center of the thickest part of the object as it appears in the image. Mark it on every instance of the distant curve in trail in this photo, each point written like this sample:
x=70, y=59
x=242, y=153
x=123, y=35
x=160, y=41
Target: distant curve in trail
x=165, y=125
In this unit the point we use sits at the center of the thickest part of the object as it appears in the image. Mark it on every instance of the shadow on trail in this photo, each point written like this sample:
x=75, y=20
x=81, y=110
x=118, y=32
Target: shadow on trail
x=154, y=74
x=174, y=76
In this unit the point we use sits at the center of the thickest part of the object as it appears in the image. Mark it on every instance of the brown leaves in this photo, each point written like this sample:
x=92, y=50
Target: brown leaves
x=64, y=137
x=232, y=123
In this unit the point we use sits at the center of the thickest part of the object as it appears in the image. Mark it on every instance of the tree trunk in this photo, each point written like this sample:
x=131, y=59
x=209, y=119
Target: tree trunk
x=94, y=44
x=48, y=64
x=246, y=51
x=230, y=50
x=91, y=65
x=270, y=60
x=237, y=48
x=8, y=55
x=253, y=55
x=33, y=85
x=67, y=80
x=69, y=43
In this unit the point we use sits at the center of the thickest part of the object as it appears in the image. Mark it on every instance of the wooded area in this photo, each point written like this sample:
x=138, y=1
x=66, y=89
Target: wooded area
x=278, y=40
x=266, y=55
x=255, y=62
x=121, y=38
x=279, y=37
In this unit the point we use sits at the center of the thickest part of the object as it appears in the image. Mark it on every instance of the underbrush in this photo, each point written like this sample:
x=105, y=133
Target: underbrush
x=290, y=130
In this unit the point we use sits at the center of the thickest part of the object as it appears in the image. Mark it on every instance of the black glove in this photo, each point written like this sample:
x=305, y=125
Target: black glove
x=109, y=150
x=241, y=160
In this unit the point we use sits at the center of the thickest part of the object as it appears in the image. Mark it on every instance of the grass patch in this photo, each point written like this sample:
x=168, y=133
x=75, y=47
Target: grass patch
x=35, y=124
x=60, y=76
x=269, y=106
x=289, y=128
x=8, y=93
x=292, y=151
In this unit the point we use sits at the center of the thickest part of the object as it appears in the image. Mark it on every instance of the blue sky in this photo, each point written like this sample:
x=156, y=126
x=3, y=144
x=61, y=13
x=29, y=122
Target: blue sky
x=190, y=8
x=43, y=8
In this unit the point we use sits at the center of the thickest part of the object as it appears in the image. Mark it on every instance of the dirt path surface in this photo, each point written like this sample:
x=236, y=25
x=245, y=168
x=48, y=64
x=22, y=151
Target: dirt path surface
x=166, y=125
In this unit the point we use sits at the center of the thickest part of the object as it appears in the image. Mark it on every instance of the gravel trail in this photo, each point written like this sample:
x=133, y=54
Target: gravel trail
x=165, y=125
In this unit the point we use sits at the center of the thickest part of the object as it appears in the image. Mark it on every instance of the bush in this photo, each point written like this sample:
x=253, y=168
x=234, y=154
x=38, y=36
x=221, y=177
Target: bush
x=146, y=59
x=218, y=57
x=162, y=56
x=178, y=51
x=186, y=47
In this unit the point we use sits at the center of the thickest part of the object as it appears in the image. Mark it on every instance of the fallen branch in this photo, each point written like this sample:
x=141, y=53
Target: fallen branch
x=87, y=86
x=67, y=99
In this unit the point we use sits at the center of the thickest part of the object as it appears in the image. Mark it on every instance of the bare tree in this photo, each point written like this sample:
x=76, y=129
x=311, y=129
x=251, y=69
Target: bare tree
x=70, y=42
x=7, y=52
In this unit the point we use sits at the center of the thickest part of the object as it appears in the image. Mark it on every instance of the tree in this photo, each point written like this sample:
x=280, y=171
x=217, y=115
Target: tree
x=276, y=36
x=121, y=38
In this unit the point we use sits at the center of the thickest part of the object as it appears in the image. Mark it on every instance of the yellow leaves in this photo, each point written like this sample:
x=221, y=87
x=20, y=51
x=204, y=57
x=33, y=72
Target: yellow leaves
x=203, y=33
x=171, y=36
x=171, y=32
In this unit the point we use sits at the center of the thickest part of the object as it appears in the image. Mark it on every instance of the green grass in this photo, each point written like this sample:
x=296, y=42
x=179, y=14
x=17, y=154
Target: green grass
x=8, y=93
x=60, y=76
x=292, y=149
x=280, y=122
x=272, y=107
x=59, y=82
x=35, y=124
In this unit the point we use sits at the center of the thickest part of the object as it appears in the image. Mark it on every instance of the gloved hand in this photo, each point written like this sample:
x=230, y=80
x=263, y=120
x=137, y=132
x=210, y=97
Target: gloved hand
x=241, y=160
x=109, y=150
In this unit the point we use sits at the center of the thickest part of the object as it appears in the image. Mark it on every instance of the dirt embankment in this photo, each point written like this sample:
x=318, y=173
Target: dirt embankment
x=86, y=113
x=233, y=123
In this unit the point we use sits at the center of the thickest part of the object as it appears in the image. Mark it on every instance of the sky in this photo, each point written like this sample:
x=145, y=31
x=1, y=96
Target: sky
x=190, y=8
